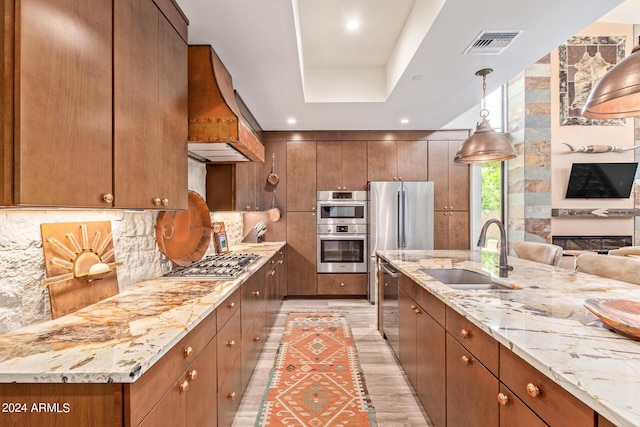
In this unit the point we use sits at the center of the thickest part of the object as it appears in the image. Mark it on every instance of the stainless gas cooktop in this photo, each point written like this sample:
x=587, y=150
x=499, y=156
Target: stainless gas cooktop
x=221, y=266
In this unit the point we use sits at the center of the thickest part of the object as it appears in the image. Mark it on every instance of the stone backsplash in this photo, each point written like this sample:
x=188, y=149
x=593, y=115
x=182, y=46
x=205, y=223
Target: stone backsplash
x=23, y=300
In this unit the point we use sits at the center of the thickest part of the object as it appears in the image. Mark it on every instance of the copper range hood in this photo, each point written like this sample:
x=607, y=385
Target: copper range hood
x=221, y=128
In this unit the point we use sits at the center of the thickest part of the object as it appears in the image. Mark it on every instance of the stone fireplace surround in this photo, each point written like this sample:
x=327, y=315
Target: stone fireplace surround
x=599, y=244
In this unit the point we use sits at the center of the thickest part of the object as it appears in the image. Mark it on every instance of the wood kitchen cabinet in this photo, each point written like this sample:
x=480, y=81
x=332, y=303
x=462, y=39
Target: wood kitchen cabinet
x=301, y=253
x=57, y=133
x=342, y=284
x=254, y=322
x=98, y=120
x=486, y=383
x=229, y=357
x=341, y=165
x=235, y=187
x=397, y=160
x=150, y=108
x=301, y=177
x=451, y=196
x=422, y=347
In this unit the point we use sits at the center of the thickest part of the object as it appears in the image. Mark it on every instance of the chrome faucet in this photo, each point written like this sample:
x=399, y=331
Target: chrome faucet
x=504, y=267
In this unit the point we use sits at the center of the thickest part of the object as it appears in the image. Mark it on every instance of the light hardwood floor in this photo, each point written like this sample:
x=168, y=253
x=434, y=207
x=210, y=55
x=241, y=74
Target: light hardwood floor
x=394, y=401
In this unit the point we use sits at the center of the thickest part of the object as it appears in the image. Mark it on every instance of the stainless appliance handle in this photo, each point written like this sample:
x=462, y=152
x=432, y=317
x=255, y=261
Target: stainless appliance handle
x=385, y=267
x=404, y=219
x=398, y=232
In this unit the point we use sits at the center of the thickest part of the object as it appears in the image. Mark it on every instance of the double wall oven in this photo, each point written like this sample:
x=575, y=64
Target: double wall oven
x=342, y=232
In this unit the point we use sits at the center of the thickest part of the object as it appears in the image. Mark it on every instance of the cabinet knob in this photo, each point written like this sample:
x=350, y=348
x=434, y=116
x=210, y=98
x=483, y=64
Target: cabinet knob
x=503, y=399
x=231, y=305
x=232, y=395
x=231, y=343
x=273, y=272
x=313, y=208
x=395, y=178
x=165, y=202
x=256, y=293
x=533, y=390
x=247, y=208
x=184, y=386
x=416, y=310
x=108, y=197
x=399, y=178
x=193, y=374
x=342, y=285
x=188, y=351
x=386, y=284
x=256, y=339
x=156, y=201
x=465, y=360
x=273, y=261
x=280, y=262
x=413, y=306
x=465, y=334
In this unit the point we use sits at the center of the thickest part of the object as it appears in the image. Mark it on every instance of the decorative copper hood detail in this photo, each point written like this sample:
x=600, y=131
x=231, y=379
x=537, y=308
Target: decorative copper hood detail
x=215, y=113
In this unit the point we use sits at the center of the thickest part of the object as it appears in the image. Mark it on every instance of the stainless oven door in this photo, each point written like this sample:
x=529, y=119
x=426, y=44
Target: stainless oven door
x=337, y=212
x=342, y=253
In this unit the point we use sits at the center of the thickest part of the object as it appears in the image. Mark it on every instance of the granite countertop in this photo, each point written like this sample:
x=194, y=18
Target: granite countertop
x=118, y=339
x=543, y=321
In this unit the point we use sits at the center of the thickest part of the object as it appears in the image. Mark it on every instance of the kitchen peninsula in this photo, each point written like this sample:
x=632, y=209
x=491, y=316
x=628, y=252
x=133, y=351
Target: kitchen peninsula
x=540, y=323
x=118, y=360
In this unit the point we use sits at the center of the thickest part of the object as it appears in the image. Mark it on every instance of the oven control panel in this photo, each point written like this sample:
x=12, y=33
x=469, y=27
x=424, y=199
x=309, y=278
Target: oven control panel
x=339, y=229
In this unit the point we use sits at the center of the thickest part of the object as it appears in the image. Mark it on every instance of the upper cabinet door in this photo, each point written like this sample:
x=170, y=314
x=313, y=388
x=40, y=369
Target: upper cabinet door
x=354, y=165
x=329, y=159
x=382, y=161
x=136, y=111
x=413, y=160
x=63, y=118
x=174, y=120
x=301, y=176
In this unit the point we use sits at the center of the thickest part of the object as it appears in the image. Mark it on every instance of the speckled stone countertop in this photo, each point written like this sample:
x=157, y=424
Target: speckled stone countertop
x=543, y=320
x=119, y=338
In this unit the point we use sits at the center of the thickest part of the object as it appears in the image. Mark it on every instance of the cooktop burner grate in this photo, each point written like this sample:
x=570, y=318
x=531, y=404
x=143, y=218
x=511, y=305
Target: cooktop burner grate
x=221, y=266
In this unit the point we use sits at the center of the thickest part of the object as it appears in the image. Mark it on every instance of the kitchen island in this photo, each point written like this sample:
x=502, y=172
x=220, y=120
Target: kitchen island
x=542, y=320
x=113, y=343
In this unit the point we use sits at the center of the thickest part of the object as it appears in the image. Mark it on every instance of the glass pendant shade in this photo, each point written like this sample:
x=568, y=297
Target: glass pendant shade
x=617, y=94
x=485, y=145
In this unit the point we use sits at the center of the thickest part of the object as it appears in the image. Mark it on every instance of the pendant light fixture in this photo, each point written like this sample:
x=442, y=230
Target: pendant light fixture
x=485, y=145
x=617, y=94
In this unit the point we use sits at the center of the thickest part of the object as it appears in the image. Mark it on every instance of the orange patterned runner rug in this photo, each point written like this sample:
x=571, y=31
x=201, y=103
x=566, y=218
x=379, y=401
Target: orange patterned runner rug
x=316, y=379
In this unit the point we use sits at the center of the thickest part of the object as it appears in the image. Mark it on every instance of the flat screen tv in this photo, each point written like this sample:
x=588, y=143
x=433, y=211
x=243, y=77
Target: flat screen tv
x=601, y=180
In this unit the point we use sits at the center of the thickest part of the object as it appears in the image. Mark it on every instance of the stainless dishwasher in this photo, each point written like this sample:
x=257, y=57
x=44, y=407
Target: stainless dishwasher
x=389, y=294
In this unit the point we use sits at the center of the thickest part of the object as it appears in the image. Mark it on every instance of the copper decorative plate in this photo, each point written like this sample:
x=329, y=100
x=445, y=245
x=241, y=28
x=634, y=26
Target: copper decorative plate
x=184, y=236
x=620, y=314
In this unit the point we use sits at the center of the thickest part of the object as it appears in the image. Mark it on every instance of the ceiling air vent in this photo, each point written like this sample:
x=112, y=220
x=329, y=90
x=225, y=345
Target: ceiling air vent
x=491, y=42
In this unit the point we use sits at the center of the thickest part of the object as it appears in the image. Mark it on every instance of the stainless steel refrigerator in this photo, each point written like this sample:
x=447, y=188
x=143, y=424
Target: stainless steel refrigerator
x=400, y=217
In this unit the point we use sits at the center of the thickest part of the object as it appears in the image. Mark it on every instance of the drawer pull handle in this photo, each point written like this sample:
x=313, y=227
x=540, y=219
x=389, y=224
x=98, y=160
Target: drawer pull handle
x=465, y=334
x=256, y=293
x=503, y=399
x=188, y=351
x=533, y=390
x=465, y=360
x=193, y=374
x=256, y=339
x=184, y=386
x=231, y=343
x=232, y=395
x=231, y=305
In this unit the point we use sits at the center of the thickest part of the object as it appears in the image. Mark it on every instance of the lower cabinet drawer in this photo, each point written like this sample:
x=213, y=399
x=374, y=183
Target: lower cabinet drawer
x=474, y=339
x=514, y=413
x=342, y=284
x=550, y=401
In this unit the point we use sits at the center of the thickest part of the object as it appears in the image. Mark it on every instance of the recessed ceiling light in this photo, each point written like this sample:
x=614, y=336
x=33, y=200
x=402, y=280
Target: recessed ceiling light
x=404, y=121
x=291, y=120
x=353, y=25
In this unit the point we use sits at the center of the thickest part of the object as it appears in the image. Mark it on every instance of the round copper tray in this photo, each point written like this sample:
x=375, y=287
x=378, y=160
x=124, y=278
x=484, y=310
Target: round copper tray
x=184, y=236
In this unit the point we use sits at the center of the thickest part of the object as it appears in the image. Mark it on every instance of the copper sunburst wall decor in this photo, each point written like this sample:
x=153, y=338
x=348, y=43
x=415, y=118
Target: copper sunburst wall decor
x=80, y=264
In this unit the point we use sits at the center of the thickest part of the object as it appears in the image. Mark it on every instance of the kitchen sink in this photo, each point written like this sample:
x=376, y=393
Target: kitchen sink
x=461, y=279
